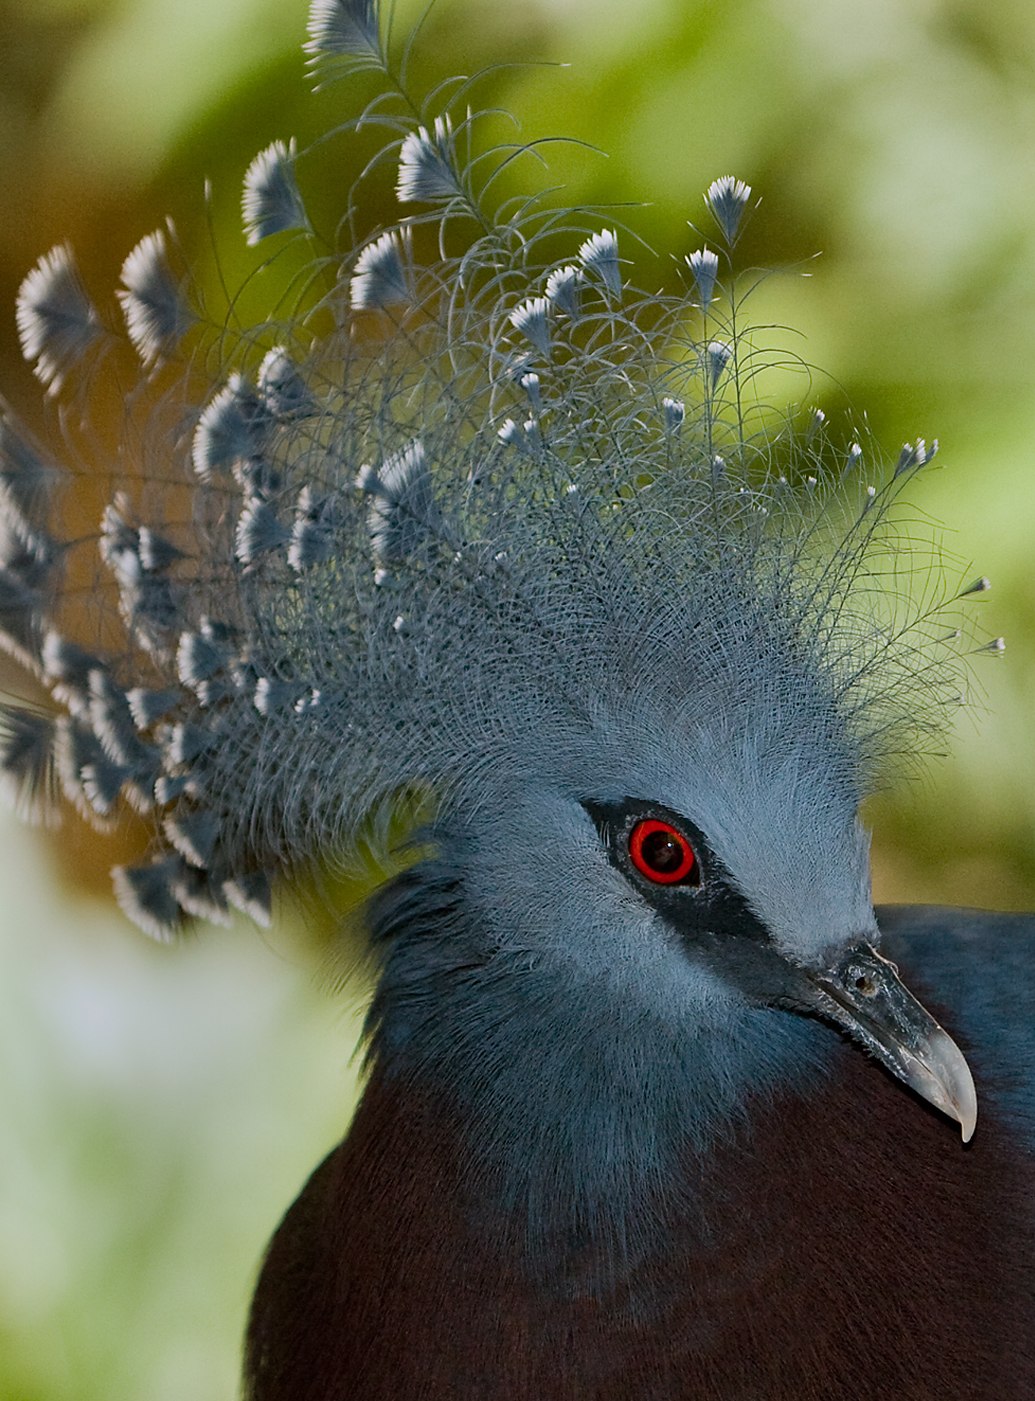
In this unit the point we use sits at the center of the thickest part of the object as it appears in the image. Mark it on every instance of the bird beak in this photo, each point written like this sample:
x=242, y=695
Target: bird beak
x=864, y=995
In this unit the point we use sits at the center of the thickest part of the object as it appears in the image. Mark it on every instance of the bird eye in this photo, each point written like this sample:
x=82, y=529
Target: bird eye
x=660, y=852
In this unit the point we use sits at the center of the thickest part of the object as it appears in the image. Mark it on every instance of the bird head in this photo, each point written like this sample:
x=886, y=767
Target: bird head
x=684, y=852
x=482, y=518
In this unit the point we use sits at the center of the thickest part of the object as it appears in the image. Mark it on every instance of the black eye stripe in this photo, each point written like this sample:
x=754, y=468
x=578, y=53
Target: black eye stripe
x=704, y=906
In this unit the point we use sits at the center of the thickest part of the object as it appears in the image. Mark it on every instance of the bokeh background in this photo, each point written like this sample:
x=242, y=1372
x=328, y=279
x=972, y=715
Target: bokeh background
x=159, y=1107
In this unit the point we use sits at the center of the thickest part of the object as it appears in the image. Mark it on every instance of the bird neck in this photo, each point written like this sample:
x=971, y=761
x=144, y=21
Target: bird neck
x=575, y=1103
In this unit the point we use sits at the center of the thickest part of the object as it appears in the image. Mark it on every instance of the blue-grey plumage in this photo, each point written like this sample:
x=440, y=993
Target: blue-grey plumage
x=486, y=530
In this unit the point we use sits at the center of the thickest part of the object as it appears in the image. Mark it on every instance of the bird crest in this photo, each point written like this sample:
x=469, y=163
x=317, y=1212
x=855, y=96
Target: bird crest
x=474, y=515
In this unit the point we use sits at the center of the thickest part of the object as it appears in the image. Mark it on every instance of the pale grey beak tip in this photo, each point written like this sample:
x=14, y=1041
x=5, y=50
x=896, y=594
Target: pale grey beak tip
x=943, y=1077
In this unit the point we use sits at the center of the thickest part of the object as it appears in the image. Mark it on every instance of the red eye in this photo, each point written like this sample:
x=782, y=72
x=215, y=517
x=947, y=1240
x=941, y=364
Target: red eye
x=661, y=853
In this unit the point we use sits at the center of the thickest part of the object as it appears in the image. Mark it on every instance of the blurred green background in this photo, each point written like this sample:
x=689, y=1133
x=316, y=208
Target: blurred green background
x=159, y=1107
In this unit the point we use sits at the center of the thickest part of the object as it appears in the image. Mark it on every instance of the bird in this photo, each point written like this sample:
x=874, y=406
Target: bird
x=487, y=559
